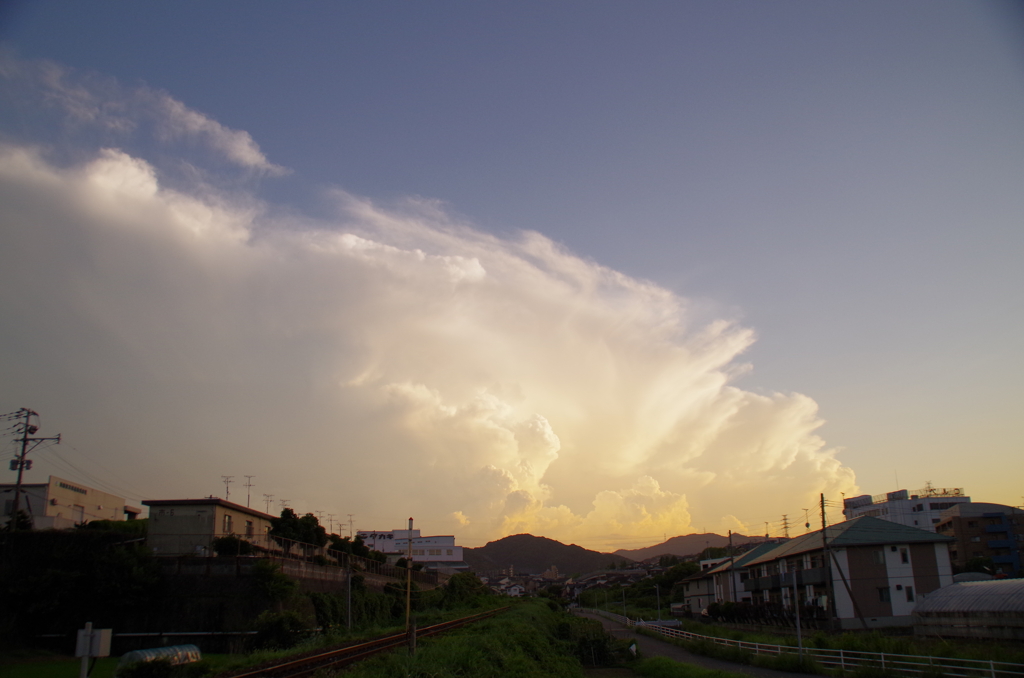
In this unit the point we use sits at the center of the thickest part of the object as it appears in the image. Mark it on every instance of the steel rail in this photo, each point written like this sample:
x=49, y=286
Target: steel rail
x=307, y=666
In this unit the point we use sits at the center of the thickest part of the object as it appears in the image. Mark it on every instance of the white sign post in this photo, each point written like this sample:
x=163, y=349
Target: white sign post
x=91, y=643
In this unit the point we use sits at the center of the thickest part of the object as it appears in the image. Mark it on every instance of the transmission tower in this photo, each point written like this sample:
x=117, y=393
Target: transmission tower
x=785, y=526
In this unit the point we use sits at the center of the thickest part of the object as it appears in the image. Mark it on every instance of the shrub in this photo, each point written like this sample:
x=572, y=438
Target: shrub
x=231, y=546
x=163, y=668
x=278, y=630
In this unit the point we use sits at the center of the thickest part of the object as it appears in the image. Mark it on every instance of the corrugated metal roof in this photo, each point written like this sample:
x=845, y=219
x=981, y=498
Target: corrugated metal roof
x=998, y=595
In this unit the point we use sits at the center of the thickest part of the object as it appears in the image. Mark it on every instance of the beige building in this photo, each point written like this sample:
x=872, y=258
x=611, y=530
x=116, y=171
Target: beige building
x=61, y=504
x=189, y=526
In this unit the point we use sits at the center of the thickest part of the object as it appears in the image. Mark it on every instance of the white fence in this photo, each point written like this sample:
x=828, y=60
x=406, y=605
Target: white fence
x=912, y=666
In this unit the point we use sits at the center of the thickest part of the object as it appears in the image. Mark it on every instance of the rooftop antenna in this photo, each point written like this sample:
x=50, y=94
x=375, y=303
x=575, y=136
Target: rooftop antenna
x=227, y=490
x=248, y=486
x=330, y=521
x=350, y=525
x=807, y=520
x=269, y=498
x=284, y=503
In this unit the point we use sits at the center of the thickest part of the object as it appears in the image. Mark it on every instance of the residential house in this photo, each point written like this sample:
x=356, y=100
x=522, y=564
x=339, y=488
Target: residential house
x=867, y=571
x=189, y=526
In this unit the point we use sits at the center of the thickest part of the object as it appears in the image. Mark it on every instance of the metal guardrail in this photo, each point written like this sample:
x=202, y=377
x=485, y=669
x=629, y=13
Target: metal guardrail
x=912, y=666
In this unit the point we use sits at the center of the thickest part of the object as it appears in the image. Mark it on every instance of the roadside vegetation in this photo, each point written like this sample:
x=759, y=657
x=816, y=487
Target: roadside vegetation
x=534, y=639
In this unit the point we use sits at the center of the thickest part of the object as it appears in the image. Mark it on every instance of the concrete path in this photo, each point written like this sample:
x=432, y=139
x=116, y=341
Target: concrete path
x=653, y=647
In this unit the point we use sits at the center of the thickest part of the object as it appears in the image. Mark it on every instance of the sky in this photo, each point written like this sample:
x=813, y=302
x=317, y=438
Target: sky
x=603, y=272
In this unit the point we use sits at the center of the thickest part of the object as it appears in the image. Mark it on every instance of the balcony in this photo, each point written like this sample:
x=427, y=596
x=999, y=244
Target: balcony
x=1003, y=527
x=1000, y=544
x=818, y=575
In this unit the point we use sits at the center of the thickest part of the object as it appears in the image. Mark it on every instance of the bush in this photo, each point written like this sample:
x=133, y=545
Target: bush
x=278, y=630
x=163, y=668
x=272, y=582
x=232, y=546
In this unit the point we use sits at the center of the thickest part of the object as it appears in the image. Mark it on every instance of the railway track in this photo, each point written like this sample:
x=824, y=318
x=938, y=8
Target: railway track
x=341, y=657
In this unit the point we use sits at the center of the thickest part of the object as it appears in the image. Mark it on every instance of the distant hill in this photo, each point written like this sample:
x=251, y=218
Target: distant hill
x=528, y=554
x=685, y=545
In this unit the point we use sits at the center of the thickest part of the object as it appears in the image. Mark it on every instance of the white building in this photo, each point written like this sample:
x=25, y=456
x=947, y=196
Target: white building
x=921, y=508
x=60, y=504
x=439, y=553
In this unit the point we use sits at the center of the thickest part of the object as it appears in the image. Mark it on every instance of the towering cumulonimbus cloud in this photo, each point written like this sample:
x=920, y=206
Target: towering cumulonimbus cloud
x=388, y=362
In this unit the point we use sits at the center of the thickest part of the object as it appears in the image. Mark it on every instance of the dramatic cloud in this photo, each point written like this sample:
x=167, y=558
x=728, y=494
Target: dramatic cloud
x=387, y=363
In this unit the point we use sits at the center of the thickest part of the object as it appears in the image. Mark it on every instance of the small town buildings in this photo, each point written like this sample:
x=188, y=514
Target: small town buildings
x=866, y=572
x=436, y=553
x=920, y=508
x=189, y=526
x=60, y=504
x=983, y=530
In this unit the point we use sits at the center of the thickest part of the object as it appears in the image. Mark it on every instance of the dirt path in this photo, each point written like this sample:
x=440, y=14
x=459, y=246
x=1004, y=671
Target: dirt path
x=653, y=647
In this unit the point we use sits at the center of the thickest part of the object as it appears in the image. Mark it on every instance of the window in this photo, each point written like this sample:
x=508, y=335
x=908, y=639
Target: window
x=450, y=552
x=883, y=594
x=249, y=528
x=904, y=556
x=227, y=523
x=910, y=594
x=880, y=557
x=975, y=538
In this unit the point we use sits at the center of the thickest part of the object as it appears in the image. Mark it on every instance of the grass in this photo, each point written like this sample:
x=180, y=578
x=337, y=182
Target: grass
x=55, y=667
x=522, y=642
x=662, y=667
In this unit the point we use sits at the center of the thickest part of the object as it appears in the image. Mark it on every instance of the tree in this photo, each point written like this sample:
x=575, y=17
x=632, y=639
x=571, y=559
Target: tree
x=306, y=529
x=20, y=522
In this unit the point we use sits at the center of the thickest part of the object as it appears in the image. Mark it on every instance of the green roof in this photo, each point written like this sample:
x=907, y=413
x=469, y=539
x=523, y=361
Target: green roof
x=863, y=531
x=744, y=558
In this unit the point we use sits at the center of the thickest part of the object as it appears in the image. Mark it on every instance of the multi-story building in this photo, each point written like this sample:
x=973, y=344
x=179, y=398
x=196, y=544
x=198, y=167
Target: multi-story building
x=920, y=508
x=983, y=530
x=865, y=572
x=438, y=553
x=60, y=504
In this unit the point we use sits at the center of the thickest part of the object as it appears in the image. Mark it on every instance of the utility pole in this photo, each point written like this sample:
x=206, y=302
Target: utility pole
x=830, y=591
x=227, y=490
x=408, y=578
x=21, y=464
x=248, y=486
x=269, y=499
x=732, y=561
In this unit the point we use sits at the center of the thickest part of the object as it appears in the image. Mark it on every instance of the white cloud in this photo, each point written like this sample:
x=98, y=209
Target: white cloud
x=391, y=363
x=88, y=101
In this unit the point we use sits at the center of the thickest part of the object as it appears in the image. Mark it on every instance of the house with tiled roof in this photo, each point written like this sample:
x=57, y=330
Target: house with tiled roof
x=865, y=572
